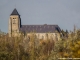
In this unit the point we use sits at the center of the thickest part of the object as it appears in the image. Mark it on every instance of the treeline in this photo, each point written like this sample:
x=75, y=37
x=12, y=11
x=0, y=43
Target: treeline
x=22, y=48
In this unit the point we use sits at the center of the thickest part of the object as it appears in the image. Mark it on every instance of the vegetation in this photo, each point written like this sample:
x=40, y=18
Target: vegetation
x=23, y=48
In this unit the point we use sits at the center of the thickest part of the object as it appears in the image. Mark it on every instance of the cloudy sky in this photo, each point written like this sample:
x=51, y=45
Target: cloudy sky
x=65, y=13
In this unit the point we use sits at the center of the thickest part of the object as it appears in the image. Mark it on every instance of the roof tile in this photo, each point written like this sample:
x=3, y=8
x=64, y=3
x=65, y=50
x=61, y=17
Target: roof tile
x=15, y=12
x=40, y=28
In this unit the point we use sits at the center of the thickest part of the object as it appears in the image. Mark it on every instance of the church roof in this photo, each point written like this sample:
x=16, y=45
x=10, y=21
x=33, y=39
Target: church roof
x=15, y=12
x=40, y=28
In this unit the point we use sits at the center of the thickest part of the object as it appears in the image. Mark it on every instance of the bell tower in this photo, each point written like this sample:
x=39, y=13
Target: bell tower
x=14, y=23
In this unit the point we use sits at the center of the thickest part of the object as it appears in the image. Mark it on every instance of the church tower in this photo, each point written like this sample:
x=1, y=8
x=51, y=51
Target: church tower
x=14, y=23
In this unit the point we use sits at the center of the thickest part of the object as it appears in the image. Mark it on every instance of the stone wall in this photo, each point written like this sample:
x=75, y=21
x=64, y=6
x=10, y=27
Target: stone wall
x=44, y=36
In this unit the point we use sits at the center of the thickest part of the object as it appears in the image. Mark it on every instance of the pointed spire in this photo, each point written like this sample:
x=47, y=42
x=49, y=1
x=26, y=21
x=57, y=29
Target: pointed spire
x=15, y=12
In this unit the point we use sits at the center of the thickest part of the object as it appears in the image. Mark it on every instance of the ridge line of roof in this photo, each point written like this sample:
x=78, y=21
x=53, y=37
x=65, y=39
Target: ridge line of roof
x=42, y=25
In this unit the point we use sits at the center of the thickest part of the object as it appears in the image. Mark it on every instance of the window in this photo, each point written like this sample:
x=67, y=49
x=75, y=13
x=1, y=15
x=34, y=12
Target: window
x=55, y=34
x=42, y=37
x=38, y=35
x=46, y=35
x=14, y=20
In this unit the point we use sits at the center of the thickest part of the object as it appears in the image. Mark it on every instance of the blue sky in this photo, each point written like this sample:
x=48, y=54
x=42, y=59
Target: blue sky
x=64, y=13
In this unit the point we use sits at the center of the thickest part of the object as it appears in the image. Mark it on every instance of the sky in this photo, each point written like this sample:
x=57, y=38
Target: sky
x=64, y=13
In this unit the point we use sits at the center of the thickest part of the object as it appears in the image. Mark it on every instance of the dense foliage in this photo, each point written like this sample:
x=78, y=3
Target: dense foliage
x=23, y=48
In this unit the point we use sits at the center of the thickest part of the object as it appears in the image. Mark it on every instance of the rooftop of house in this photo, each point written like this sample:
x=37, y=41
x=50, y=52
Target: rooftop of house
x=40, y=28
x=15, y=12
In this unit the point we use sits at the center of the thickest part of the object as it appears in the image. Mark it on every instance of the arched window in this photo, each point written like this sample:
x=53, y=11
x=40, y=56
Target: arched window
x=42, y=37
x=14, y=20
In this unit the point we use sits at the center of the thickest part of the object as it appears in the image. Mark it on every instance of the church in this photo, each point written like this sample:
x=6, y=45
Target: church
x=41, y=31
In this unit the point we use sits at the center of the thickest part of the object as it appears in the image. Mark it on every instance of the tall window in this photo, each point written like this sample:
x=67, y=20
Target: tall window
x=42, y=37
x=14, y=22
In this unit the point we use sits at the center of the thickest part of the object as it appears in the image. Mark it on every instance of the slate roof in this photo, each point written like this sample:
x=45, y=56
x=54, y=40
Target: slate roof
x=40, y=28
x=15, y=12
